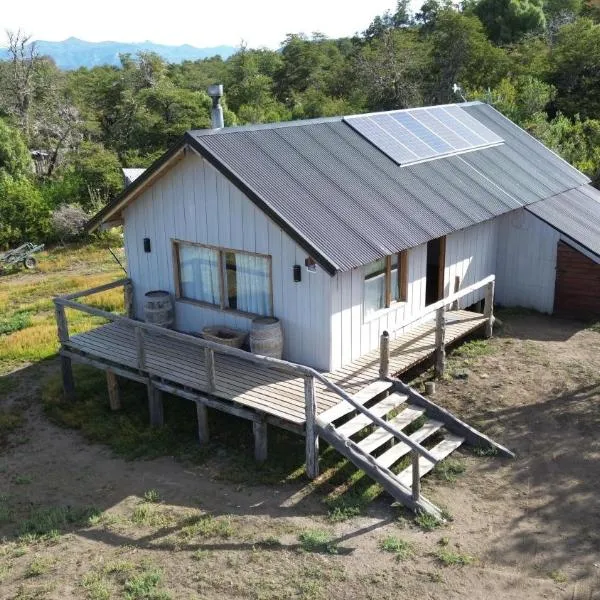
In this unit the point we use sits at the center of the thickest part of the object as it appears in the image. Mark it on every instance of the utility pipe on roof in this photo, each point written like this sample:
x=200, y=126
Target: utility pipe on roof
x=216, y=114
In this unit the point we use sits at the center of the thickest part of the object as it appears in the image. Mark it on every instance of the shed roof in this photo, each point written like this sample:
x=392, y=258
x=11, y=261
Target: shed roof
x=574, y=213
x=347, y=203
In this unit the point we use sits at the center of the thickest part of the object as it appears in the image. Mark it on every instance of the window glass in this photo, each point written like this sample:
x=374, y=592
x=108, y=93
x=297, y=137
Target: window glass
x=199, y=273
x=374, y=290
x=395, y=282
x=247, y=283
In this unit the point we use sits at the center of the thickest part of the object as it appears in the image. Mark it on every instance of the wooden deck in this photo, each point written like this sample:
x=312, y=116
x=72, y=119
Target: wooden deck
x=276, y=395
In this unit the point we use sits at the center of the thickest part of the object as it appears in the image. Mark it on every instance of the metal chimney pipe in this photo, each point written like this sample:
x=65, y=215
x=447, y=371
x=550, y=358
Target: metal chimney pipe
x=216, y=114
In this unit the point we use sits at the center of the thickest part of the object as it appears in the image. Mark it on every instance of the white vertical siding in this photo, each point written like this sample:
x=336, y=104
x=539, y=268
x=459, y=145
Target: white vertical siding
x=351, y=334
x=194, y=202
x=471, y=256
x=526, y=263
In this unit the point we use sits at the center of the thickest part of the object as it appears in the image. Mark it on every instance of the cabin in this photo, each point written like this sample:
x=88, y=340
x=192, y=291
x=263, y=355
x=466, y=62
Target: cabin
x=374, y=239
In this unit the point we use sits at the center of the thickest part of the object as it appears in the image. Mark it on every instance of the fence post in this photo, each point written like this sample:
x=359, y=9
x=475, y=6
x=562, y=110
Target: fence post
x=128, y=299
x=312, y=439
x=488, y=310
x=384, y=355
x=416, y=476
x=440, y=341
x=211, y=377
x=141, y=351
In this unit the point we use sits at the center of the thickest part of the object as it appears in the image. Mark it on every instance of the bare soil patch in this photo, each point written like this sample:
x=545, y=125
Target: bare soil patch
x=79, y=522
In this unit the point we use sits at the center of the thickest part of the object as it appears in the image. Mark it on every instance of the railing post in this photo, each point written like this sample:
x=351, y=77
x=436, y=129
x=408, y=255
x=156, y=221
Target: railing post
x=128, y=299
x=141, y=350
x=312, y=438
x=416, y=476
x=440, y=342
x=456, y=303
x=384, y=355
x=211, y=376
x=488, y=310
x=66, y=367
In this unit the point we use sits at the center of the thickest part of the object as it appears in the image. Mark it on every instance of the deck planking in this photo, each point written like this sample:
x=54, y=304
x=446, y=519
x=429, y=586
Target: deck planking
x=264, y=390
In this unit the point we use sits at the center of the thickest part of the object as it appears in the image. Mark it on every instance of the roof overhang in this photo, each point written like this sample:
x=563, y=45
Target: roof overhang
x=111, y=214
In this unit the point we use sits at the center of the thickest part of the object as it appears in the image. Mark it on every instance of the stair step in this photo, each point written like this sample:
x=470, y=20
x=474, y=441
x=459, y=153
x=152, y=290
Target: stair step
x=381, y=436
x=382, y=408
x=448, y=445
x=362, y=397
x=395, y=453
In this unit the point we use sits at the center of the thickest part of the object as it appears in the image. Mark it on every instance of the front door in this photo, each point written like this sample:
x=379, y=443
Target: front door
x=436, y=259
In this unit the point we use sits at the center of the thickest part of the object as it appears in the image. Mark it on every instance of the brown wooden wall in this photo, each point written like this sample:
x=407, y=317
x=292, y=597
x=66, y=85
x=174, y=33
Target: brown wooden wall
x=577, y=291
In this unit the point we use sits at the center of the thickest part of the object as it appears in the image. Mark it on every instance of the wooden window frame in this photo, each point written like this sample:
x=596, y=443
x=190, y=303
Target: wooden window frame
x=402, y=291
x=221, y=251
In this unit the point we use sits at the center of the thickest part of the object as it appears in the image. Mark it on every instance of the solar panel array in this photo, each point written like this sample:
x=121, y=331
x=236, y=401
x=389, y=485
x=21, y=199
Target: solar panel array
x=415, y=135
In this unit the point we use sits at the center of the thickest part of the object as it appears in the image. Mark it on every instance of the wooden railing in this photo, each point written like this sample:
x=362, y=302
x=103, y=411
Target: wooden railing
x=440, y=308
x=140, y=329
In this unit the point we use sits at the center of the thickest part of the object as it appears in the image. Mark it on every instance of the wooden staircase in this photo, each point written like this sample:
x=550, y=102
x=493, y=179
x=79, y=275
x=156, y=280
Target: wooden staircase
x=377, y=451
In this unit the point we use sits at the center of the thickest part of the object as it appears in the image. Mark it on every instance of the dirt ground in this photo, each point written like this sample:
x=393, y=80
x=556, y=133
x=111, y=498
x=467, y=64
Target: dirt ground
x=529, y=527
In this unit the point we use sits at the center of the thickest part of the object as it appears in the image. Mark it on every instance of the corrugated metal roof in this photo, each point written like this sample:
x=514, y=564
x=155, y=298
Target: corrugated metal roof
x=574, y=213
x=349, y=201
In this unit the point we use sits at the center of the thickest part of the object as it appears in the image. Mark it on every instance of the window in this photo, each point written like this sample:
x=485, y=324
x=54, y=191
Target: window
x=227, y=279
x=386, y=282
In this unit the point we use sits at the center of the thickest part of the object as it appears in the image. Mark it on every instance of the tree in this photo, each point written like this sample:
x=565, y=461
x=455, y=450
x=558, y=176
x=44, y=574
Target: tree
x=15, y=160
x=462, y=54
x=391, y=70
x=507, y=21
x=388, y=20
x=574, y=69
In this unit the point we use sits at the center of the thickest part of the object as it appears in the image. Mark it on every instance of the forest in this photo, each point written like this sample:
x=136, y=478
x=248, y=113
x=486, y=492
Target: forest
x=64, y=135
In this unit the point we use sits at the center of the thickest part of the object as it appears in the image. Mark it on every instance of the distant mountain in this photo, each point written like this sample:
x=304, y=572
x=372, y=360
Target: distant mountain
x=74, y=53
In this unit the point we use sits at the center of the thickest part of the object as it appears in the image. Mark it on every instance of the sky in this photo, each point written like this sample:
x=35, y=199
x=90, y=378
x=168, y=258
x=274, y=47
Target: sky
x=199, y=22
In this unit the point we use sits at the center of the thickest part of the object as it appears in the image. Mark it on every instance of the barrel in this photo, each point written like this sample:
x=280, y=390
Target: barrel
x=158, y=308
x=266, y=337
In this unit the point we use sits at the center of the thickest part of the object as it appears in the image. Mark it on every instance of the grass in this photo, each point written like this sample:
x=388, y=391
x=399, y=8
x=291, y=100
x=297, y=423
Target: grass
x=27, y=324
x=427, y=522
x=401, y=549
x=453, y=558
x=317, y=540
x=558, y=577
x=449, y=469
x=144, y=586
x=10, y=421
x=40, y=565
x=151, y=496
x=49, y=522
x=206, y=526
x=150, y=515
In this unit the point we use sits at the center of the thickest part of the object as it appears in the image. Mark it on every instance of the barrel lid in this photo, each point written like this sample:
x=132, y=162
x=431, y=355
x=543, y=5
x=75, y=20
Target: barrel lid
x=265, y=320
x=155, y=293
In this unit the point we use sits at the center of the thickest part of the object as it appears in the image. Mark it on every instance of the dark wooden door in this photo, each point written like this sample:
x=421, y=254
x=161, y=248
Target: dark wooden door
x=577, y=290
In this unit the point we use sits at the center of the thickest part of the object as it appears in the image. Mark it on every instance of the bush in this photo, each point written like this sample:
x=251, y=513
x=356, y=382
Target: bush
x=68, y=221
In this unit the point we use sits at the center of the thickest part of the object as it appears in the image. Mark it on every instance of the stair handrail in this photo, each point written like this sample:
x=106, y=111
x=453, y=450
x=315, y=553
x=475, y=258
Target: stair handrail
x=62, y=302
x=450, y=299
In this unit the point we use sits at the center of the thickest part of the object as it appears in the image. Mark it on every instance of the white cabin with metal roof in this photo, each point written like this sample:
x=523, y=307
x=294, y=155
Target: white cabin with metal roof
x=344, y=228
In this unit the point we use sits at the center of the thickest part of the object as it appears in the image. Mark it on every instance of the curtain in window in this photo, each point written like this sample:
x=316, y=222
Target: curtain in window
x=253, y=284
x=199, y=273
x=374, y=287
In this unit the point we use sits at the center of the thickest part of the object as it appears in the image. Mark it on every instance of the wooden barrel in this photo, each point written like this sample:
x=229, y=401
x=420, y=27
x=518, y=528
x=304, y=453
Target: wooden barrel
x=158, y=308
x=266, y=337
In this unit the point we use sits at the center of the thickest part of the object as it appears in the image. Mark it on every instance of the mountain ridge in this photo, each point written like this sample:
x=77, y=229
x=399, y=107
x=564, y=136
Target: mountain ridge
x=73, y=53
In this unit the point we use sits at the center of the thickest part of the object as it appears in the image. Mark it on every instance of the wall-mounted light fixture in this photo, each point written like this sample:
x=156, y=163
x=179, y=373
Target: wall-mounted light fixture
x=311, y=265
x=146, y=244
x=297, y=273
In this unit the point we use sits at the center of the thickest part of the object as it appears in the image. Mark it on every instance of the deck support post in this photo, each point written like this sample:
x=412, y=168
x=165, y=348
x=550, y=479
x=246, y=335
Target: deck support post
x=488, y=310
x=203, y=432
x=384, y=355
x=259, y=429
x=155, y=405
x=456, y=304
x=416, y=476
x=114, y=396
x=68, y=382
x=312, y=438
x=128, y=299
x=211, y=376
x=440, y=342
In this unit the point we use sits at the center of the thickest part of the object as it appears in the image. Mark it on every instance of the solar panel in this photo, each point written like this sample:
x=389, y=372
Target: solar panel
x=419, y=134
